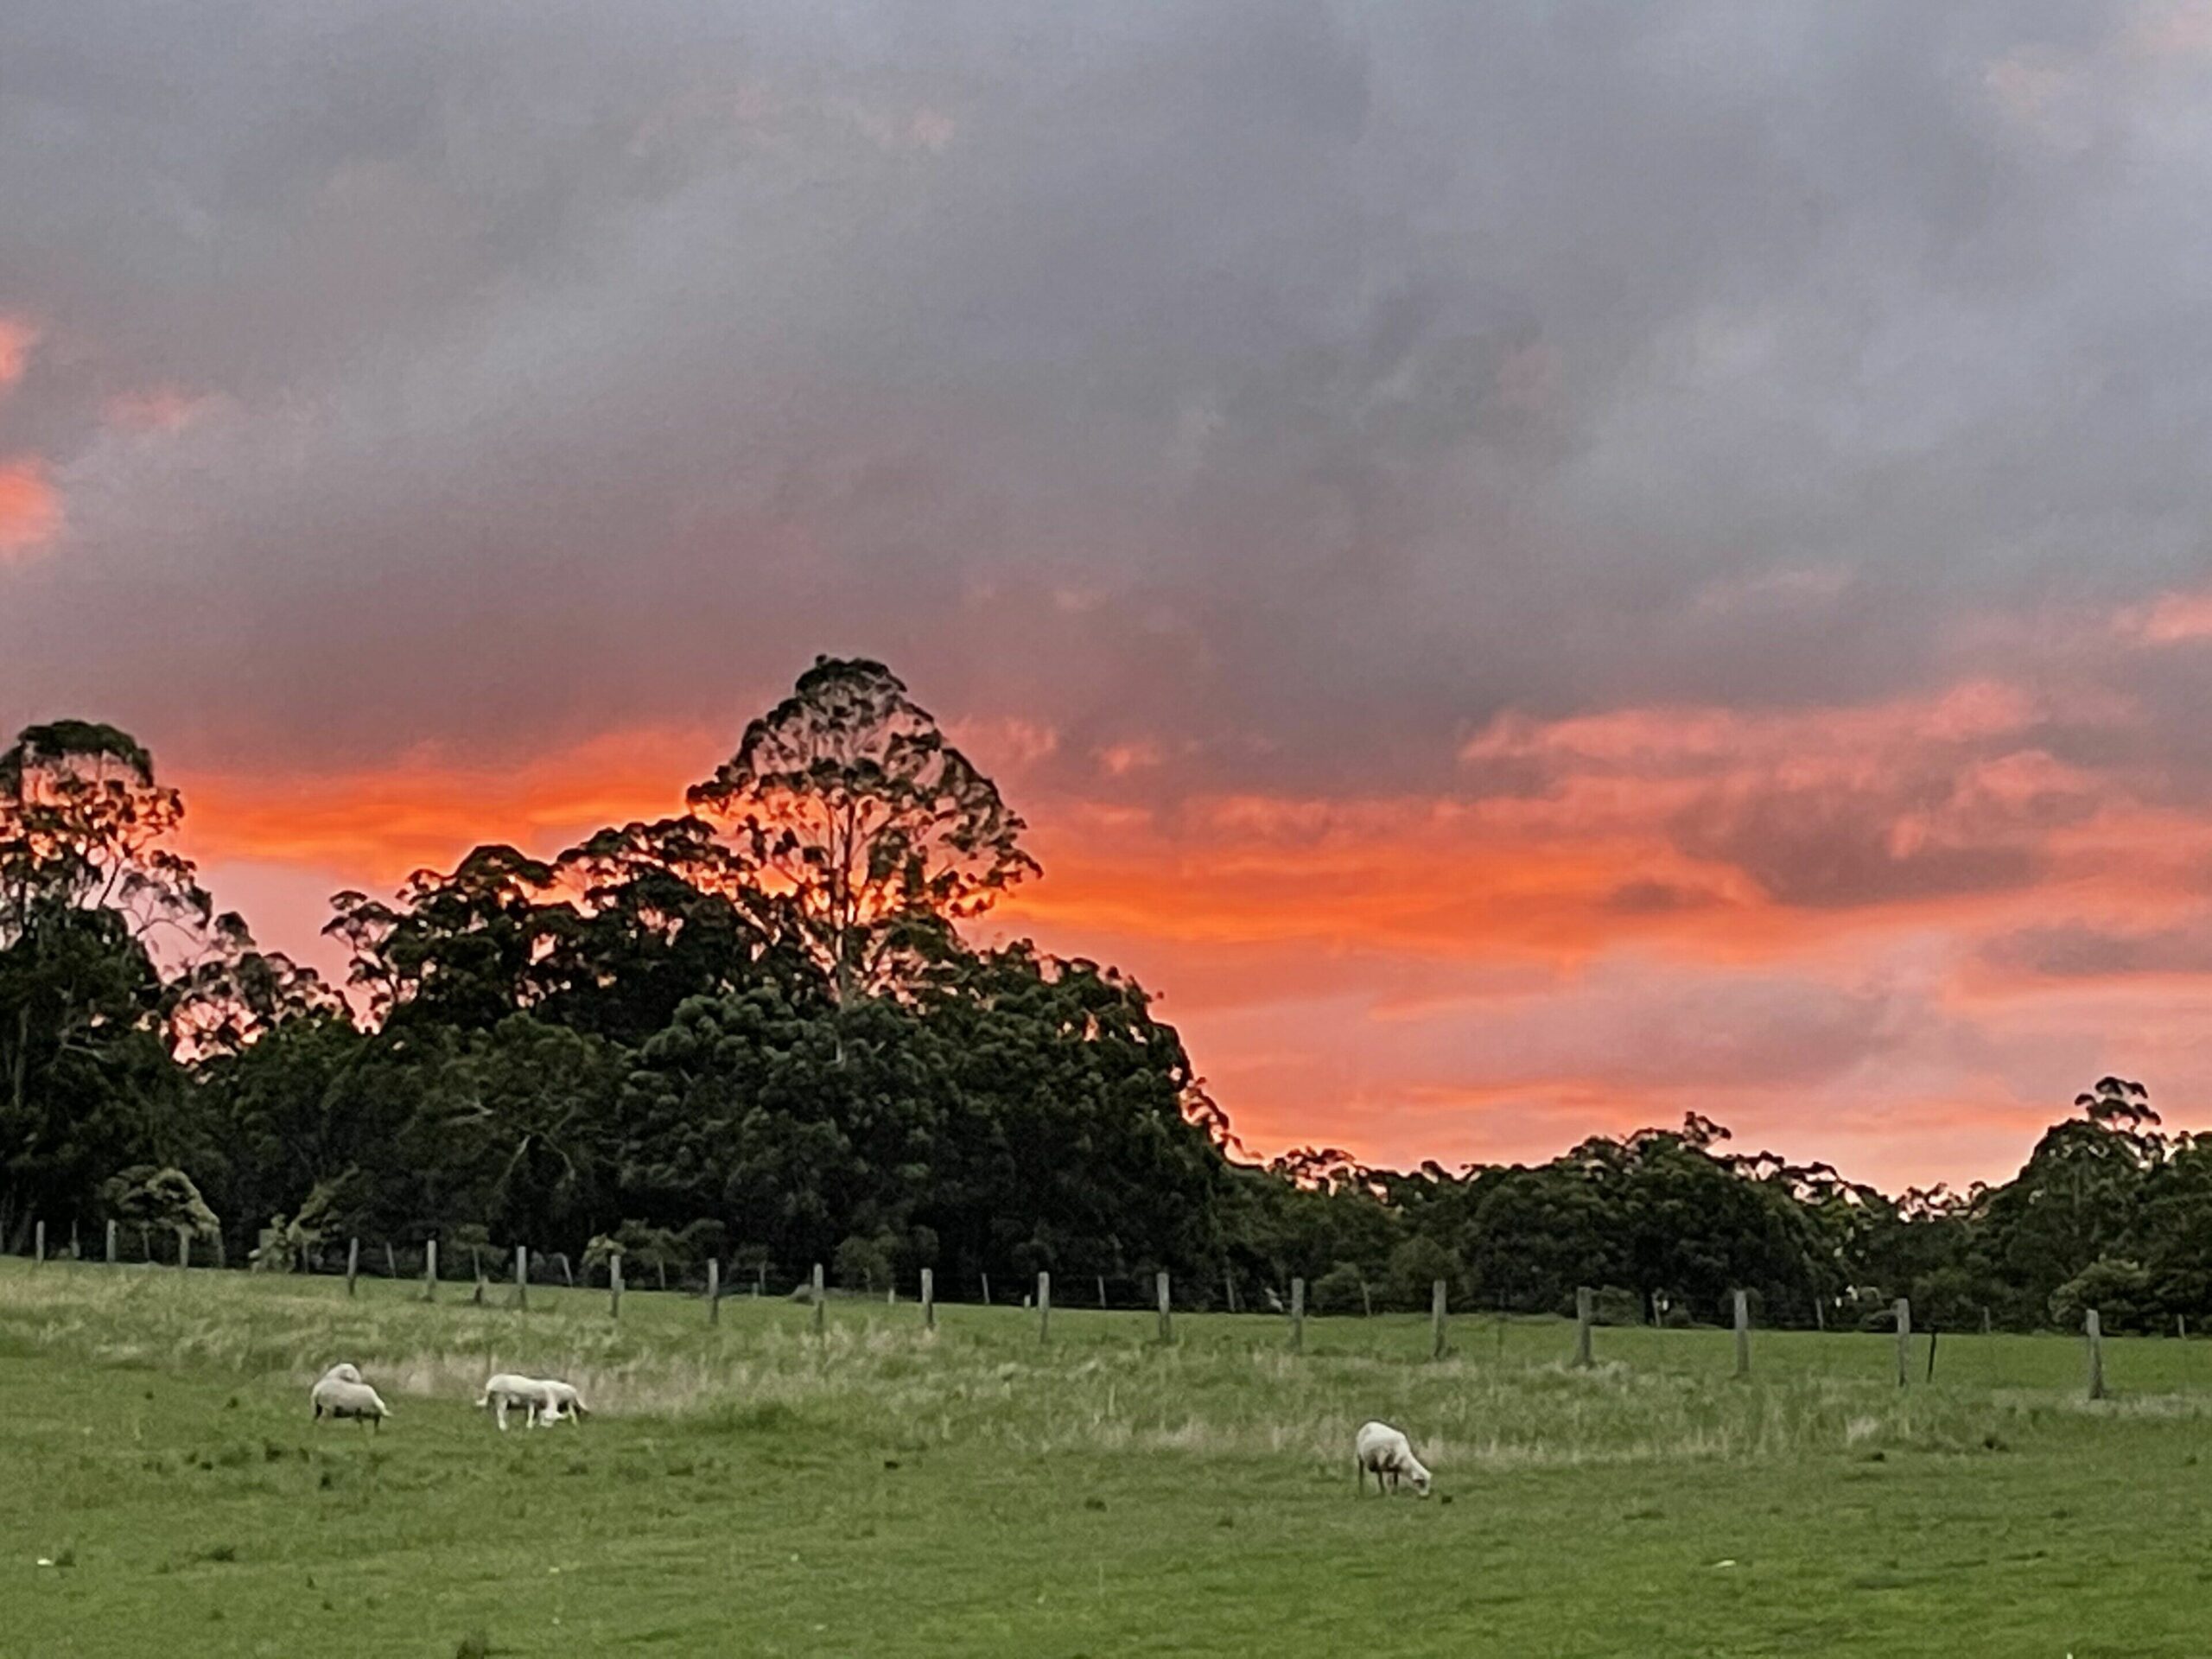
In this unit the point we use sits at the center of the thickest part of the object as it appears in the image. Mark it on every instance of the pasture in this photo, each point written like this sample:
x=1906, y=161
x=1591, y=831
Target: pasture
x=752, y=1489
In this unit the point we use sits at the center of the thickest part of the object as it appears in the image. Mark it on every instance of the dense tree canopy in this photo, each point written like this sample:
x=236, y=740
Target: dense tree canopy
x=757, y=1030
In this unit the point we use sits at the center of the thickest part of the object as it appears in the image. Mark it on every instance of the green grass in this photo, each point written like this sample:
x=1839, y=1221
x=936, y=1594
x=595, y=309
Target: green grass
x=751, y=1489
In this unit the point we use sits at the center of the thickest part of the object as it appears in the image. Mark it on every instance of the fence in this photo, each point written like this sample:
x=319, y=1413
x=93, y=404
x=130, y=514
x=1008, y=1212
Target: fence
x=487, y=1275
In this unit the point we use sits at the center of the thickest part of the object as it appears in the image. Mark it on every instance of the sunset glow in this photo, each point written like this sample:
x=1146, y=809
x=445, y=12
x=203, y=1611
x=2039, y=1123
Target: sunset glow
x=1506, y=638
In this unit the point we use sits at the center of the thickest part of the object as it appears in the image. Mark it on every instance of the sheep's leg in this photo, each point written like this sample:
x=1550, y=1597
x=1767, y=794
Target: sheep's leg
x=500, y=1412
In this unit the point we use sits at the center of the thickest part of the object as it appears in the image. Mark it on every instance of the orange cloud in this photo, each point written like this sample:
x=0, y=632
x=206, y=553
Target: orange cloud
x=16, y=339
x=1596, y=929
x=2171, y=619
x=386, y=824
x=30, y=508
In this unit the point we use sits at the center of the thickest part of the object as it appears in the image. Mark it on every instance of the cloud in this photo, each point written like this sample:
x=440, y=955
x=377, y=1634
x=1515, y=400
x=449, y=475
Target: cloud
x=1445, y=497
x=16, y=339
x=30, y=508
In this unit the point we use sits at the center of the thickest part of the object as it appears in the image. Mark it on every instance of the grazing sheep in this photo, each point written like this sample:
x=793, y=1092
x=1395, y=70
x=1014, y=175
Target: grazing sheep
x=562, y=1401
x=1381, y=1451
x=510, y=1388
x=341, y=1372
x=334, y=1396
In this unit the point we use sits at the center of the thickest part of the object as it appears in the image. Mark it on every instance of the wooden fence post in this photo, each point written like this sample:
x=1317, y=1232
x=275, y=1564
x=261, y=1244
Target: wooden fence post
x=522, y=1278
x=1820, y=1313
x=430, y=1271
x=1167, y=1325
x=75, y=1255
x=390, y=1262
x=821, y=1304
x=714, y=1291
x=928, y=1299
x=1742, y=1334
x=111, y=1243
x=614, y=1285
x=1102, y=1290
x=1584, y=1314
x=1903, y=1313
x=1298, y=1316
x=1436, y=1304
x=1985, y=1321
x=353, y=1263
x=183, y=1247
x=1044, y=1307
x=2093, y=1327
x=38, y=1247
x=987, y=1290
x=2181, y=1327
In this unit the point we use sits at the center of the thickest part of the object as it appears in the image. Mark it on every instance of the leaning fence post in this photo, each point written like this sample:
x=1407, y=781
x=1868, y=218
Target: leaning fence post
x=614, y=1285
x=1742, y=1334
x=821, y=1305
x=928, y=1299
x=2093, y=1327
x=352, y=1262
x=1044, y=1307
x=1166, y=1327
x=111, y=1242
x=1820, y=1313
x=714, y=1291
x=1904, y=1341
x=1583, y=1317
x=522, y=1278
x=1436, y=1306
x=1298, y=1316
x=987, y=1290
x=1102, y=1290
x=38, y=1249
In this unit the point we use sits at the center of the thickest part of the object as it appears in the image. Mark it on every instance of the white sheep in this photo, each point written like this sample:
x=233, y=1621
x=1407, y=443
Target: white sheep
x=336, y=1396
x=562, y=1401
x=510, y=1388
x=1381, y=1451
x=341, y=1372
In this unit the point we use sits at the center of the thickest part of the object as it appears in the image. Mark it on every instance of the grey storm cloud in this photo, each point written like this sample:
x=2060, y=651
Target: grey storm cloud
x=1309, y=383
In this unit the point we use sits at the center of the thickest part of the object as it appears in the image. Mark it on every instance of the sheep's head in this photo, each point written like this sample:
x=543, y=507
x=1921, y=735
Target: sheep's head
x=1419, y=1475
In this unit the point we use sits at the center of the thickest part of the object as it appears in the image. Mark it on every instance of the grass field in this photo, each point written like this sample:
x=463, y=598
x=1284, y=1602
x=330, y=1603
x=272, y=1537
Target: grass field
x=751, y=1488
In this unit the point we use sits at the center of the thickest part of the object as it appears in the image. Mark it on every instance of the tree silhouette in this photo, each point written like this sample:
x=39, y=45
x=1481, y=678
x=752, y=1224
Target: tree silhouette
x=846, y=798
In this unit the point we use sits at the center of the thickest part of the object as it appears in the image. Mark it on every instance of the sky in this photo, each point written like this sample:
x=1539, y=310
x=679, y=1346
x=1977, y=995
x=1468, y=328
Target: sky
x=1532, y=568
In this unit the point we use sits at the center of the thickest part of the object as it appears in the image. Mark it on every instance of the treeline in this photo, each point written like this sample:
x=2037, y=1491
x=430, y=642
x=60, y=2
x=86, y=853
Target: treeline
x=755, y=1031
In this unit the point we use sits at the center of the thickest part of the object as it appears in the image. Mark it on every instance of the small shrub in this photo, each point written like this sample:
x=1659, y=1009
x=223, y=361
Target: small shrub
x=1340, y=1290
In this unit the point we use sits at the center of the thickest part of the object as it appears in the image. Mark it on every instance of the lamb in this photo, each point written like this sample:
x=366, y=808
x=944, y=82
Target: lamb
x=511, y=1388
x=336, y=1396
x=561, y=1400
x=1381, y=1451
